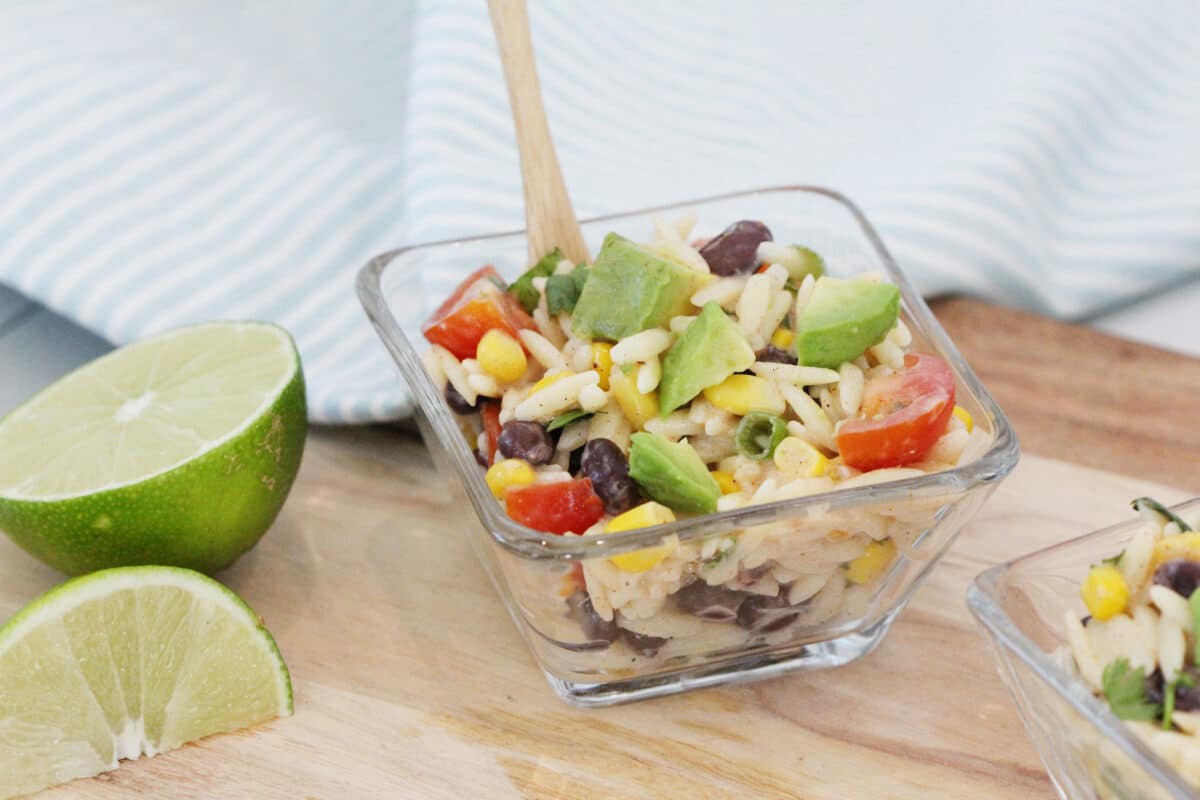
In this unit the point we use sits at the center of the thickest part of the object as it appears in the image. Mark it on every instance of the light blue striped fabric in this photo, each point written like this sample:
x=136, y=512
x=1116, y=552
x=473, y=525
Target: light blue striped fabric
x=171, y=162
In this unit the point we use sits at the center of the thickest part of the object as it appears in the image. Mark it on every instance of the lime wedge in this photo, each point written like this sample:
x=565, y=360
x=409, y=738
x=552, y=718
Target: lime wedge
x=129, y=662
x=178, y=449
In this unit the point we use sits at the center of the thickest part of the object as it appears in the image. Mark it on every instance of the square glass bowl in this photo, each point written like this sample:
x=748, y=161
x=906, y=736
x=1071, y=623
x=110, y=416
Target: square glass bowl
x=585, y=658
x=1088, y=752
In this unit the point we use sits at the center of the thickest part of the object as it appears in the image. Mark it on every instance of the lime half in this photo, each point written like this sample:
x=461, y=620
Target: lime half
x=179, y=449
x=129, y=662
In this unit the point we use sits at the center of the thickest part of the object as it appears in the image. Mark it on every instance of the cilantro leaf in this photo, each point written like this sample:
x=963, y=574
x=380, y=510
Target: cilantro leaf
x=561, y=294
x=580, y=274
x=1161, y=510
x=1125, y=690
x=562, y=291
x=522, y=287
x=563, y=420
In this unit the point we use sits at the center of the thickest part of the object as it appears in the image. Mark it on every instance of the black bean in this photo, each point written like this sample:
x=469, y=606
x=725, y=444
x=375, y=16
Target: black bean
x=458, y=404
x=480, y=457
x=735, y=250
x=767, y=614
x=527, y=440
x=751, y=576
x=1186, y=698
x=606, y=465
x=776, y=355
x=645, y=645
x=1180, y=576
x=709, y=602
x=595, y=627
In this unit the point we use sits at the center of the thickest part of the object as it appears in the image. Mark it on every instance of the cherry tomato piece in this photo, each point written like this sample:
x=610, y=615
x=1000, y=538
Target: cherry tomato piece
x=905, y=414
x=556, y=507
x=478, y=305
x=490, y=411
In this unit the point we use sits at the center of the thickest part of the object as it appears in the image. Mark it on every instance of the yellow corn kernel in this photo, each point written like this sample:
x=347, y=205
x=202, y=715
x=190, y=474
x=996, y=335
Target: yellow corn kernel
x=725, y=481
x=508, y=474
x=799, y=459
x=602, y=362
x=638, y=408
x=1182, y=545
x=1105, y=592
x=642, y=516
x=872, y=563
x=547, y=380
x=501, y=356
x=741, y=394
x=966, y=417
x=783, y=338
x=642, y=560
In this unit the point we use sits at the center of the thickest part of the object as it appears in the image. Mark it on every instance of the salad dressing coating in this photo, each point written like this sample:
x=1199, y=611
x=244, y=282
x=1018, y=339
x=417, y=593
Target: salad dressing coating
x=670, y=379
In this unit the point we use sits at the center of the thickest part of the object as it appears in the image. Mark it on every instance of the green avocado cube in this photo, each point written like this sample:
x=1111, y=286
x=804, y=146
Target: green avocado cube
x=843, y=318
x=672, y=474
x=629, y=289
x=709, y=351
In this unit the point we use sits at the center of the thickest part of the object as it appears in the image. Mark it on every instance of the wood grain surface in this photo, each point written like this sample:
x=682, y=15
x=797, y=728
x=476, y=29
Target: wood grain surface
x=1082, y=396
x=411, y=682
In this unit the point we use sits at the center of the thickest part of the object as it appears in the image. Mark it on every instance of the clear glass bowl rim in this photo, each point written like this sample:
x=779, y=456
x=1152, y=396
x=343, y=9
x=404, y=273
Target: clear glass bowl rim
x=984, y=603
x=997, y=462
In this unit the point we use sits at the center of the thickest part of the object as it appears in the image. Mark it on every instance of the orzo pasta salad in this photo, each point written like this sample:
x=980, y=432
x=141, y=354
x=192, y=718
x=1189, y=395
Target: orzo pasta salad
x=1138, y=649
x=681, y=377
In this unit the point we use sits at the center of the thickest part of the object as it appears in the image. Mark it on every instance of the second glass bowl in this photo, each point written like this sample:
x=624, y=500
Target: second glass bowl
x=1088, y=752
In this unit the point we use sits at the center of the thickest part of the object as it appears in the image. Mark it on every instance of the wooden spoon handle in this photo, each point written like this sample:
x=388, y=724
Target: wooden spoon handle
x=549, y=215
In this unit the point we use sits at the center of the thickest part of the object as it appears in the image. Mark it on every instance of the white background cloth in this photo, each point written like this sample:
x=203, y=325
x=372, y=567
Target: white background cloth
x=165, y=165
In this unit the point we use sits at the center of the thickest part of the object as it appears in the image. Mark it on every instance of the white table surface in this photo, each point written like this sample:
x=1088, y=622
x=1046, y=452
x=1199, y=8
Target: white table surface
x=37, y=346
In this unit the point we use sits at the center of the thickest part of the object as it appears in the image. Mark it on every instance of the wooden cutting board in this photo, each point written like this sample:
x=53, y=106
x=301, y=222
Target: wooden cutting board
x=411, y=682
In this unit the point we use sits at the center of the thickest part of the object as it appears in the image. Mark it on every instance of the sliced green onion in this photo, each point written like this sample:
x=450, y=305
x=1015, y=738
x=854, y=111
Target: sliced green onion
x=522, y=287
x=808, y=263
x=1161, y=510
x=758, y=434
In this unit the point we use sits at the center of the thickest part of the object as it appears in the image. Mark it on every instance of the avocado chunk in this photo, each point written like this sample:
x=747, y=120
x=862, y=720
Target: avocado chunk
x=672, y=473
x=629, y=289
x=843, y=318
x=709, y=351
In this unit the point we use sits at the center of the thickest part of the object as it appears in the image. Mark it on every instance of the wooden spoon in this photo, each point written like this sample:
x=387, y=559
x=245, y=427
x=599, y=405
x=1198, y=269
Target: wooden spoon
x=549, y=216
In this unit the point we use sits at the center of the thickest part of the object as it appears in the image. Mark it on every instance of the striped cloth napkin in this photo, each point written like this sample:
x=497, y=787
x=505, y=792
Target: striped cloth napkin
x=171, y=162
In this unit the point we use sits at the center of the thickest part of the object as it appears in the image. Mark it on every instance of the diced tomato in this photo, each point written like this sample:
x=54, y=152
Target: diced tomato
x=490, y=411
x=478, y=305
x=905, y=414
x=556, y=507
